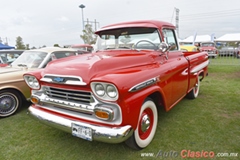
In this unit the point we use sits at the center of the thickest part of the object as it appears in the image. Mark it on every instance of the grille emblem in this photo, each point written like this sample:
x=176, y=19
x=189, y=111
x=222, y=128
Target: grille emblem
x=58, y=79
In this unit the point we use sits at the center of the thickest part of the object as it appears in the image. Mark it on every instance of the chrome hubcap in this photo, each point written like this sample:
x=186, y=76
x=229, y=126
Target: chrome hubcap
x=145, y=124
x=7, y=103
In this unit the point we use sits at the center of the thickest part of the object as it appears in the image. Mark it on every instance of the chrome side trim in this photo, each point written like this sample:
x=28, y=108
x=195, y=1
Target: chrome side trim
x=100, y=133
x=143, y=85
x=200, y=66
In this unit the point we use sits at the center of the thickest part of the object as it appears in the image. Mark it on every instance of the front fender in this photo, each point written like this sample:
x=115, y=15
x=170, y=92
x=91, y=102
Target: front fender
x=131, y=104
x=18, y=85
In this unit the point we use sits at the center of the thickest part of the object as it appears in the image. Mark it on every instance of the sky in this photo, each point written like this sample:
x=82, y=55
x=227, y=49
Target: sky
x=49, y=22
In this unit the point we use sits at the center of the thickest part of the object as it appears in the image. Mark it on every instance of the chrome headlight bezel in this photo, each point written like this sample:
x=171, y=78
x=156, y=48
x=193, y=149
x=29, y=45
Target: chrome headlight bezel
x=32, y=81
x=105, y=91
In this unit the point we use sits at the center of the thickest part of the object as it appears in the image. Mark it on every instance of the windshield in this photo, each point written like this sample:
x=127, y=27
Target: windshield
x=3, y=59
x=128, y=38
x=207, y=44
x=30, y=59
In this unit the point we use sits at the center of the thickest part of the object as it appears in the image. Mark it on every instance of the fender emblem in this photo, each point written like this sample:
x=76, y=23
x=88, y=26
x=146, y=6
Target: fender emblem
x=143, y=84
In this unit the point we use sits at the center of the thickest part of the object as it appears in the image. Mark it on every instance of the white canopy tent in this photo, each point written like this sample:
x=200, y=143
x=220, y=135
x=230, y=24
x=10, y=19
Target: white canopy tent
x=235, y=37
x=198, y=39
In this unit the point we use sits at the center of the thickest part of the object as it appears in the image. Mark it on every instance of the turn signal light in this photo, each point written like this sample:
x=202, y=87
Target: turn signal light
x=102, y=114
x=34, y=100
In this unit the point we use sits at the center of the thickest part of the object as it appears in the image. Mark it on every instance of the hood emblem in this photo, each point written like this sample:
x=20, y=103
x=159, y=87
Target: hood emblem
x=58, y=79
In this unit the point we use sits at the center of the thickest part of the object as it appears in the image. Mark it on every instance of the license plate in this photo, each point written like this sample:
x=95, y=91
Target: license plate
x=82, y=132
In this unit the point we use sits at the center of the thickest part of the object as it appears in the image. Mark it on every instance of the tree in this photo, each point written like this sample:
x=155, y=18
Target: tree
x=33, y=47
x=56, y=45
x=19, y=43
x=88, y=36
x=27, y=47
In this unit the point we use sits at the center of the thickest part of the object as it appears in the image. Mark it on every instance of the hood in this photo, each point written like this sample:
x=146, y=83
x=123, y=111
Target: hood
x=207, y=48
x=9, y=69
x=88, y=66
x=8, y=74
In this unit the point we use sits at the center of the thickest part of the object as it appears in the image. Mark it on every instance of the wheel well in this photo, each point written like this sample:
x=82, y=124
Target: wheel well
x=201, y=76
x=13, y=89
x=158, y=100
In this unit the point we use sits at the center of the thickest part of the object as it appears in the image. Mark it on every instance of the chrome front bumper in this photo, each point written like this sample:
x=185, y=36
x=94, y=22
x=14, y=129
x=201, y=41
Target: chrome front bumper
x=100, y=133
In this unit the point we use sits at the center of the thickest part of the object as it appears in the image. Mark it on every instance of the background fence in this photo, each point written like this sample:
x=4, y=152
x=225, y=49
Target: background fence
x=224, y=60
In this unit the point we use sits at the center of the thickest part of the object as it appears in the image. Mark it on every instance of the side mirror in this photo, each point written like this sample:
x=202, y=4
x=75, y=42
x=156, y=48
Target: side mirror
x=163, y=47
x=172, y=46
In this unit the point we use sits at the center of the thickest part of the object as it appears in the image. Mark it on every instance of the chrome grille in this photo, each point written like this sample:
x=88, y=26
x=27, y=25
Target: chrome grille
x=69, y=95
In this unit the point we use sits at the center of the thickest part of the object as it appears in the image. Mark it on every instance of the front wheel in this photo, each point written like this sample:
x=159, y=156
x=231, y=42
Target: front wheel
x=195, y=91
x=146, y=128
x=10, y=101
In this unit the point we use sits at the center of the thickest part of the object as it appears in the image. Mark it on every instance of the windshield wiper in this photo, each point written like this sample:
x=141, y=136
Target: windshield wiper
x=124, y=47
x=22, y=65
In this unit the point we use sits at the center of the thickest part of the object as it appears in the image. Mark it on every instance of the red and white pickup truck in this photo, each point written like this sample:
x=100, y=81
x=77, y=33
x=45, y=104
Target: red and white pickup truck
x=114, y=94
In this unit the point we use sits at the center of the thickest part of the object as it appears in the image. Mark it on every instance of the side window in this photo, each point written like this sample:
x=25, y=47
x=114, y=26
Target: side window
x=53, y=57
x=58, y=55
x=170, y=38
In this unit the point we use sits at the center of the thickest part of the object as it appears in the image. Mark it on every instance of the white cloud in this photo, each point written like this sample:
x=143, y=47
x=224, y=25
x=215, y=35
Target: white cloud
x=63, y=19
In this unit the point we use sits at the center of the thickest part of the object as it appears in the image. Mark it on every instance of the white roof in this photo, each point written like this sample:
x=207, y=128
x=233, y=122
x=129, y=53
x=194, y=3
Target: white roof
x=199, y=38
x=234, y=37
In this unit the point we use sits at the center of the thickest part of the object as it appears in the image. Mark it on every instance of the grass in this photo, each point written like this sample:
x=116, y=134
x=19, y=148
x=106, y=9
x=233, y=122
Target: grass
x=210, y=123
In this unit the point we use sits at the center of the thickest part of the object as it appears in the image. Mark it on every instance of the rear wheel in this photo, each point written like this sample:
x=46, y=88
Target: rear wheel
x=10, y=102
x=146, y=128
x=195, y=91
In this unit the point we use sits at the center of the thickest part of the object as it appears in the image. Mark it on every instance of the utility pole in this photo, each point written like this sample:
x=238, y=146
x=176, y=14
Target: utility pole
x=6, y=41
x=93, y=22
x=177, y=20
x=82, y=6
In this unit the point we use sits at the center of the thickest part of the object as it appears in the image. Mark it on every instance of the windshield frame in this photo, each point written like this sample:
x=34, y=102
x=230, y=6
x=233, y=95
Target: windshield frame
x=127, y=38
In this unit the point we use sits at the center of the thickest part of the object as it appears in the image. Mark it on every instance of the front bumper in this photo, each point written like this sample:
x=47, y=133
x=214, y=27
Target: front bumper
x=100, y=133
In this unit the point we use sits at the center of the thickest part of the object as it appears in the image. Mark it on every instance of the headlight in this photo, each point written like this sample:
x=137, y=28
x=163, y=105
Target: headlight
x=99, y=89
x=105, y=91
x=111, y=91
x=31, y=81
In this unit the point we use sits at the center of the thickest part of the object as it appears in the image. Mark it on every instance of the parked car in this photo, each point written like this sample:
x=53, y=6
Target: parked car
x=210, y=48
x=238, y=52
x=8, y=56
x=13, y=89
x=227, y=51
x=189, y=48
x=83, y=47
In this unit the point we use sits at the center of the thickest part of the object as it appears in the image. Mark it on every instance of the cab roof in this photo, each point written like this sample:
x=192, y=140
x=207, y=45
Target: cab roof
x=141, y=23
